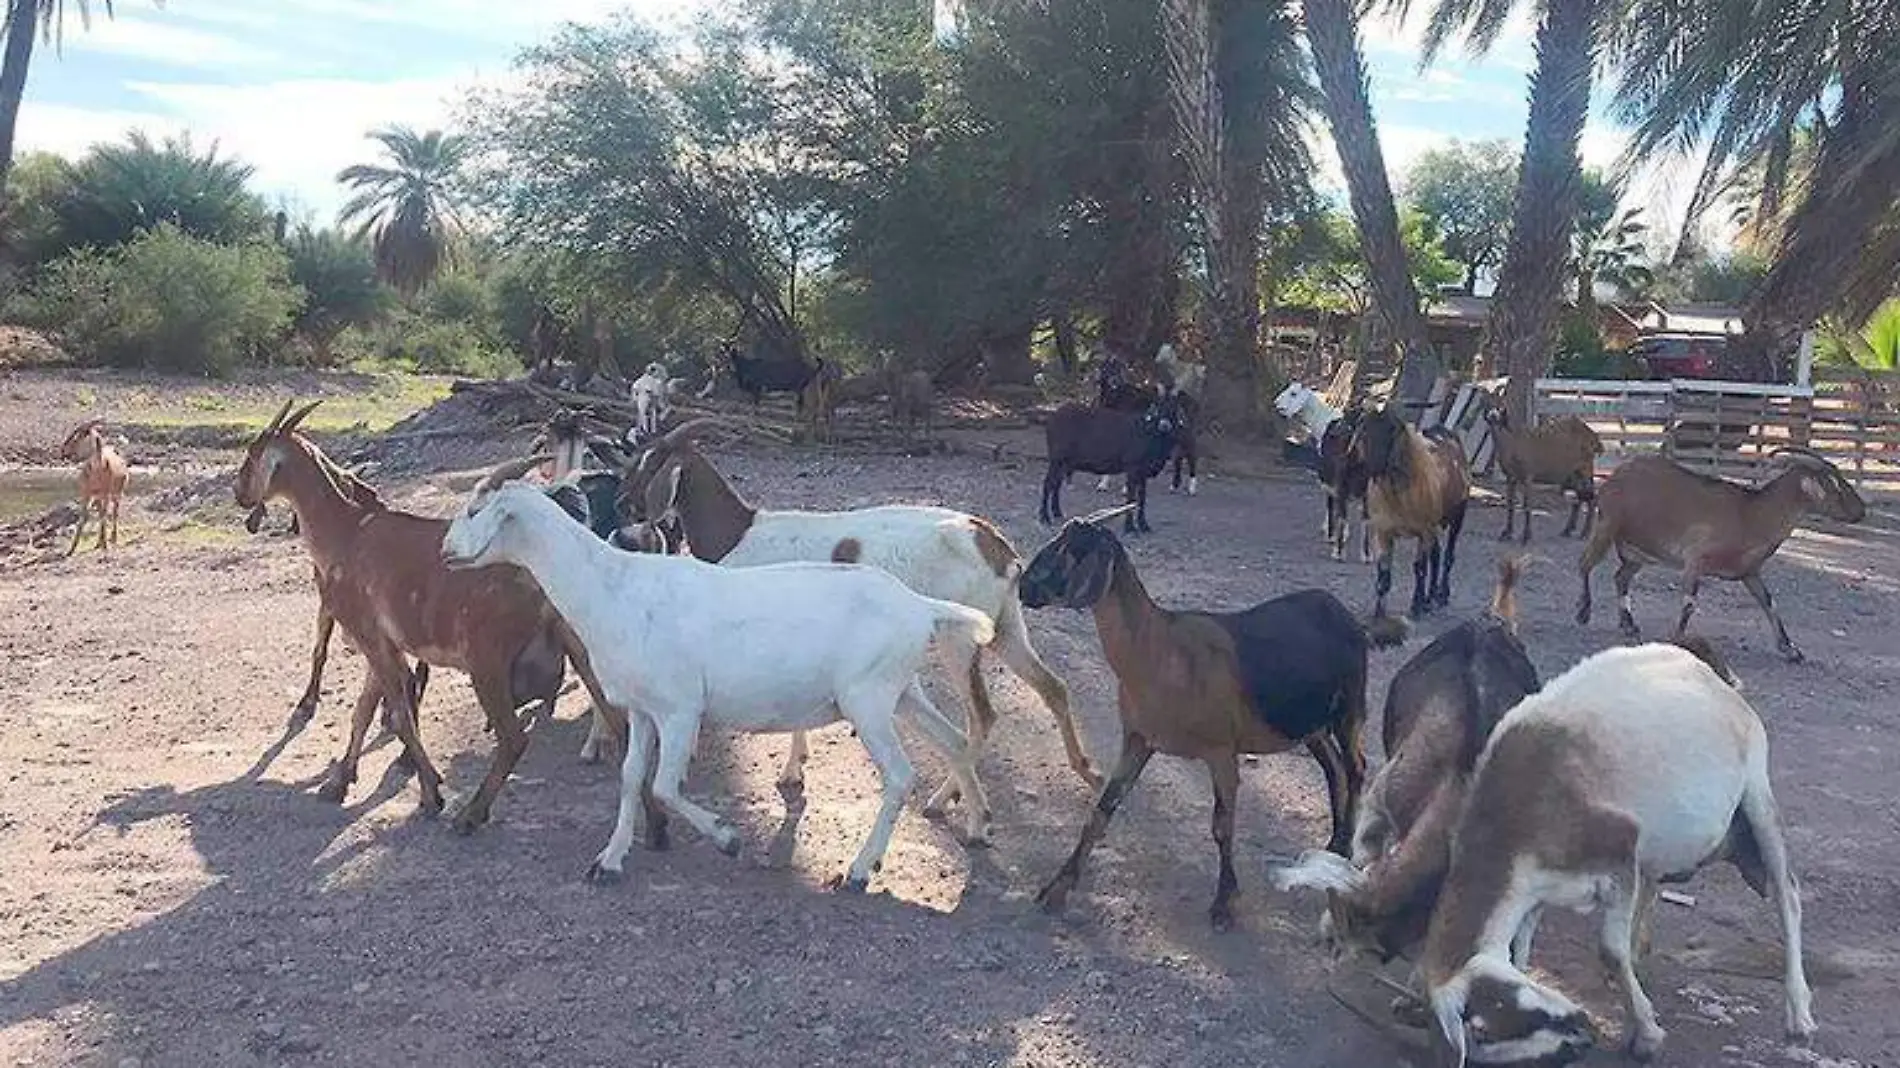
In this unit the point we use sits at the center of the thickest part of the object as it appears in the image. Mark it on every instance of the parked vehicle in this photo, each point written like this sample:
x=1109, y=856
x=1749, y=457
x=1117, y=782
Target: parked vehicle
x=1666, y=356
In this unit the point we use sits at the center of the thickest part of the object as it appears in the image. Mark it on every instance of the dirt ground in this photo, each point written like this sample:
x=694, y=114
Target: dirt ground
x=173, y=893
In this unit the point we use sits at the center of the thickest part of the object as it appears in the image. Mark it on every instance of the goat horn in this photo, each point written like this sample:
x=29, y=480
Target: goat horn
x=1798, y=454
x=509, y=471
x=1107, y=514
x=682, y=434
x=278, y=420
x=298, y=416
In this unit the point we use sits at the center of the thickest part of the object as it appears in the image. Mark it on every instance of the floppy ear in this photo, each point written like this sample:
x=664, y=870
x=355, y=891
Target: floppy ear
x=662, y=496
x=1088, y=579
x=1448, y=1039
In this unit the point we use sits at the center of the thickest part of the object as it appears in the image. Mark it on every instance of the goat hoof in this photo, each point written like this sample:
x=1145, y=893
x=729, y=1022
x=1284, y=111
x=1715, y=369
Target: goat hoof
x=601, y=875
x=727, y=840
x=1644, y=1045
x=1053, y=897
x=334, y=789
x=1221, y=918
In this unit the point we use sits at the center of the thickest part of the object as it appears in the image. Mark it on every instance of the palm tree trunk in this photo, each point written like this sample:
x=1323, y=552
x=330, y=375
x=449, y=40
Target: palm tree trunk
x=22, y=24
x=1332, y=31
x=1522, y=329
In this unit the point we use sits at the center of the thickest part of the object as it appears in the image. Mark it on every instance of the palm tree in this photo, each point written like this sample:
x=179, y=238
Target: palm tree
x=1742, y=77
x=1610, y=246
x=407, y=208
x=1333, y=33
x=118, y=190
x=23, y=17
x=1521, y=332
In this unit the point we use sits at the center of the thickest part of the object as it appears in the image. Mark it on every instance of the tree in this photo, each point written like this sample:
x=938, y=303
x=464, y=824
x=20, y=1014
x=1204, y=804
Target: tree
x=1465, y=189
x=406, y=206
x=1611, y=246
x=338, y=276
x=1327, y=265
x=1333, y=33
x=1521, y=332
x=1743, y=78
x=117, y=191
x=1873, y=347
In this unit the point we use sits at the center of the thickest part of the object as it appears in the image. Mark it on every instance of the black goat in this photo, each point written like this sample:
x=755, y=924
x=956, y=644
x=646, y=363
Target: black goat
x=759, y=375
x=1343, y=477
x=1101, y=441
x=1117, y=389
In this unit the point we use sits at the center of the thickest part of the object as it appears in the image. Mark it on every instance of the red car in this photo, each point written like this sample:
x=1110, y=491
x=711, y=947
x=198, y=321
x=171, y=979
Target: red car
x=1664, y=356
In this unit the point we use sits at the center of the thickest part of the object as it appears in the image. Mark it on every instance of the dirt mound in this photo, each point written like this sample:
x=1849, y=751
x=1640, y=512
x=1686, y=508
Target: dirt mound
x=20, y=347
x=469, y=427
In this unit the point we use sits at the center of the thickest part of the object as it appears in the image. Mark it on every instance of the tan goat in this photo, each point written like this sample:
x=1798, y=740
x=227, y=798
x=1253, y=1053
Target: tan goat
x=102, y=478
x=1562, y=452
x=1416, y=486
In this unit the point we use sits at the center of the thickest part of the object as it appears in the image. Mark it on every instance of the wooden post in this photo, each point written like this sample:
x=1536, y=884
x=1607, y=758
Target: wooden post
x=1804, y=362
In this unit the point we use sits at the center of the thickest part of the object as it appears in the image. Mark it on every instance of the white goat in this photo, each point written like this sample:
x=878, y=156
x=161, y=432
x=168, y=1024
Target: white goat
x=1637, y=766
x=1181, y=376
x=674, y=641
x=1306, y=407
x=650, y=393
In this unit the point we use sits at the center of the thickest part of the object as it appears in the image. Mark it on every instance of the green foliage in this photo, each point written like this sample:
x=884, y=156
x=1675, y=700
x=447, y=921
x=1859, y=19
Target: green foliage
x=1724, y=279
x=1610, y=245
x=340, y=284
x=1874, y=347
x=1327, y=271
x=117, y=191
x=1466, y=190
x=1581, y=352
x=407, y=206
x=167, y=301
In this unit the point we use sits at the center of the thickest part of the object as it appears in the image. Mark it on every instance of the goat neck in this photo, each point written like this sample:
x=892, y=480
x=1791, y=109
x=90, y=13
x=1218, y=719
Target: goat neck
x=1779, y=506
x=712, y=514
x=1125, y=616
x=563, y=557
x=327, y=512
x=1479, y=906
x=1317, y=415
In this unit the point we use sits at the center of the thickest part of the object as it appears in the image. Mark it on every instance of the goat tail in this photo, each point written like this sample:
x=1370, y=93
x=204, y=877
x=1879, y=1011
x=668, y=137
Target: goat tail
x=1504, y=597
x=962, y=622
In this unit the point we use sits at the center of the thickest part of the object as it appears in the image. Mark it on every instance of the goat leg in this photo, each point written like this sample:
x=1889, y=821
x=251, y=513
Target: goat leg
x=336, y=785
x=312, y=691
x=85, y=509
x=1510, y=510
x=1135, y=754
x=1691, y=585
x=1421, y=563
x=1783, y=643
x=1224, y=769
x=1625, y=615
x=1593, y=553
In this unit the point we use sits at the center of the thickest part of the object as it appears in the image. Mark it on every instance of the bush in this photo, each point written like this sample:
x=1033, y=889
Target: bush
x=339, y=282
x=1582, y=354
x=167, y=301
x=409, y=342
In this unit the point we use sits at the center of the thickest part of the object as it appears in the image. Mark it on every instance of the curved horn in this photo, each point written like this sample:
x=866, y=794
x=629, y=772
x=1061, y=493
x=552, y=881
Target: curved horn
x=1802, y=454
x=1106, y=514
x=683, y=433
x=509, y=471
x=298, y=416
x=278, y=419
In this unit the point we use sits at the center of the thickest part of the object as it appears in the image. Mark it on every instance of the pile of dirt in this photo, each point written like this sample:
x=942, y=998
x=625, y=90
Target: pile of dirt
x=20, y=347
x=476, y=423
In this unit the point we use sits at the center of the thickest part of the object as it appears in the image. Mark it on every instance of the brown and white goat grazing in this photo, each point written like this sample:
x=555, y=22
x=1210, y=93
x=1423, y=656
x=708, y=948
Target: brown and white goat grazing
x=1440, y=711
x=1562, y=452
x=937, y=552
x=1416, y=486
x=1210, y=686
x=381, y=577
x=1654, y=510
x=102, y=478
x=1635, y=767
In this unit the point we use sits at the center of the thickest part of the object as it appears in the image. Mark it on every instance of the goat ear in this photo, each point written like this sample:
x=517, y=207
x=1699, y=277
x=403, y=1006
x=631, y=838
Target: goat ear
x=1089, y=579
x=1448, y=1039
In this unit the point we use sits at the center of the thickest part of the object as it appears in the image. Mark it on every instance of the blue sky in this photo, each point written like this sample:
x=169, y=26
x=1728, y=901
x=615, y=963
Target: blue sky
x=291, y=86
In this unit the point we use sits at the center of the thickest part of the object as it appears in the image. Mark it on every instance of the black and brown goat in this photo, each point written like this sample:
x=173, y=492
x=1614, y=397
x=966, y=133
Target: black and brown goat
x=1210, y=686
x=1562, y=452
x=1343, y=479
x=1102, y=441
x=1416, y=487
x=759, y=375
x=1440, y=710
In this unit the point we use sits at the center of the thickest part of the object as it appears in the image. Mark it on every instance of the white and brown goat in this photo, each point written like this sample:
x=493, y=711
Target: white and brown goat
x=102, y=479
x=1637, y=766
x=1210, y=686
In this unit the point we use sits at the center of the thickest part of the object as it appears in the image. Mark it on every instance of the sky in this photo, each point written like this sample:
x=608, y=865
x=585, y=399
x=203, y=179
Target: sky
x=292, y=86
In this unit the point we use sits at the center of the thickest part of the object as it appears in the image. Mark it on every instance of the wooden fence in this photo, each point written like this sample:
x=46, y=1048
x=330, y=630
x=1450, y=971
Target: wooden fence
x=1728, y=429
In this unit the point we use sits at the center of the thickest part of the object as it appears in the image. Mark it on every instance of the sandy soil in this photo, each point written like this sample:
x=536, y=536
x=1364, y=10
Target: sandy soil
x=172, y=892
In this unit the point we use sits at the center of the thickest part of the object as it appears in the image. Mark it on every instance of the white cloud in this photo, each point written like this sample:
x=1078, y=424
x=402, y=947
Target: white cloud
x=150, y=39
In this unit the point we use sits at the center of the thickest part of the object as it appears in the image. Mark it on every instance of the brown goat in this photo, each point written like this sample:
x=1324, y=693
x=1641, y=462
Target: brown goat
x=1655, y=511
x=1210, y=686
x=102, y=478
x=913, y=400
x=1563, y=453
x=1416, y=486
x=818, y=400
x=381, y=577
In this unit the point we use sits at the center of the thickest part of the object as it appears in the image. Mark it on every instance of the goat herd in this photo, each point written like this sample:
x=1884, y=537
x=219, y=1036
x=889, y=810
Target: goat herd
x=1499, y=796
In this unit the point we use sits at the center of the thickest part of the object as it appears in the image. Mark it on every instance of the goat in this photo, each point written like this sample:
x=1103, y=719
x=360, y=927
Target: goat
x=1117, y=389
x=758, y=375
x=1185, y=381
x=1563, y=453
x=818, y=400
x=1342, y=478
x=949, y=555
x=1178, y=375
x=651, y=394
x=823, y=642
x=913, y=400
x=1106, y=442
x=1637, y=766
x=1440, y=709
x=102, y=479
x=1653, y=510
x=380, y=577
x=1415, y=487
x=1210, y=685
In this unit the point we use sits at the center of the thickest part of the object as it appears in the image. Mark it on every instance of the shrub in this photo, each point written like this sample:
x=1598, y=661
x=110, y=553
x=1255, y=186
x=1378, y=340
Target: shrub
x=1582, y=354
x=409, y=342
x=167, y=301
x=340, y=286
